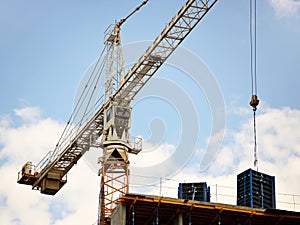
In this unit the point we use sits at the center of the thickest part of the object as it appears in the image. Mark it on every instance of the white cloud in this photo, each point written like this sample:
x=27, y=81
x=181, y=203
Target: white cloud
x=29, y=140
x=5, y=120
x=77, y=202
x=284, y=8
x=152, y=154
x=29, y=114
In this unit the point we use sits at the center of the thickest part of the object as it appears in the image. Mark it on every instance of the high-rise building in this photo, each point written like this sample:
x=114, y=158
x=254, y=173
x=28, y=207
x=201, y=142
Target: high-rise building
x=194, y=191
x=255, y=189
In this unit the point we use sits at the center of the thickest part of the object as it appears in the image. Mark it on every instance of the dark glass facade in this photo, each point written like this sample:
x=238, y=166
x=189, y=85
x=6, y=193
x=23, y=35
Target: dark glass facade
x=194, y=191
x=255, y=189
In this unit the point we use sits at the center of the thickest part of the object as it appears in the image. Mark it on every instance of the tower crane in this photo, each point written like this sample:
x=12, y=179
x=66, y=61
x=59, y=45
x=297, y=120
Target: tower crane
x=110, y=119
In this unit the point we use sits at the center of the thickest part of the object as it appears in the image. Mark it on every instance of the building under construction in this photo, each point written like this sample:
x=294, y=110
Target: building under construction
x=148, y=210
x=254, y=189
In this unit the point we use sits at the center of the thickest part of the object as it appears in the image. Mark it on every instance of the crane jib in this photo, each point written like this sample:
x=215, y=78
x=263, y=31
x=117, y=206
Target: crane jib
x=162, y=47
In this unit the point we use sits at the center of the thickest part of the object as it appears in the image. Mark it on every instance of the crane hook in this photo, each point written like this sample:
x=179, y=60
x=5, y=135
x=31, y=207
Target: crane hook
x=254, y=102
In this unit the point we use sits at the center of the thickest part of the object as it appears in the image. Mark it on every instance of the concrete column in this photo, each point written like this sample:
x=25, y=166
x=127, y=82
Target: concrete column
x=178, y=219
x=119, y=216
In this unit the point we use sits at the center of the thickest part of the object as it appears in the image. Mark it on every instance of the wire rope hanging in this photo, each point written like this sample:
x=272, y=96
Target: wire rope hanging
x=254, y=99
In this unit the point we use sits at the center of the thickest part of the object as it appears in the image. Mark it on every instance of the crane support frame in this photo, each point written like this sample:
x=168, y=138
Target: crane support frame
x=114, y=183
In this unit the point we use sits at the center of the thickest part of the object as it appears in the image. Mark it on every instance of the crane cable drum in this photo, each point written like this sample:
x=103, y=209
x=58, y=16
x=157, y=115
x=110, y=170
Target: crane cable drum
x=253, y=69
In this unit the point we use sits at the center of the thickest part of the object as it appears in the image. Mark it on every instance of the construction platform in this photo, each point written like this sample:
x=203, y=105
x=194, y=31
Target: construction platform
x=146, y=209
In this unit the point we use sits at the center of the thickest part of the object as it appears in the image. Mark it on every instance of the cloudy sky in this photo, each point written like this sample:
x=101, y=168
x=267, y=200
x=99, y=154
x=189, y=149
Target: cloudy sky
x=46, y=47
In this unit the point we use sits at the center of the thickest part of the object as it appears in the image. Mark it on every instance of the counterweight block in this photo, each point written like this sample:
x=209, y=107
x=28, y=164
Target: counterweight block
x=52, y=183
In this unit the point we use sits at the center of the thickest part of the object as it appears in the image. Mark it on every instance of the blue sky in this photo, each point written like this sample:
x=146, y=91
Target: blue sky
x=46, y=47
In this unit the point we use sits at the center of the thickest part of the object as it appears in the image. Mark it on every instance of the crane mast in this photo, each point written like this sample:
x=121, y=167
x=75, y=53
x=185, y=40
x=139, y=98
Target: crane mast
x=111, y=120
